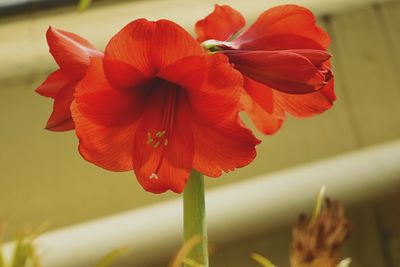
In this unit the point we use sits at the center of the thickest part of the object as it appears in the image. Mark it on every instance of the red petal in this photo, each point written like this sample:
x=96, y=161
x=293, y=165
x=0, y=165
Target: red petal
x=53, y=84
x=163, y=164
x=260, y=93
x=222, y=147
x=61, y=120
x=70, y=51
x=308, y=104
x=284, y=27
x=284, y=71
x=107, y=147
x=122, y=75
x=104, y=104
x=148, y=46
x=316, y=57
x=259, y=103
x=221, y=24
x=212, y=84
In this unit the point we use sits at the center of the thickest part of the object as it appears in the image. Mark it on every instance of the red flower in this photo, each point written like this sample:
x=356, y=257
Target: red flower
x=72, y=53
x=158, y=105
x=282, y=57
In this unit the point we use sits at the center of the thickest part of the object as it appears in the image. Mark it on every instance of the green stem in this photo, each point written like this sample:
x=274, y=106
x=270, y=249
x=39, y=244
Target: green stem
x=194, y=218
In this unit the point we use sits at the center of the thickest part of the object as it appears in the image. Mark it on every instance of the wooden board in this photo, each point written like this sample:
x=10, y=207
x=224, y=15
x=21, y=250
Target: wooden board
x=369, y=74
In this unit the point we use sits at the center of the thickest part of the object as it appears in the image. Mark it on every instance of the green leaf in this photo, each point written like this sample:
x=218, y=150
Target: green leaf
x=111, y=257
x=262, y=260
x=35, y=258
x=2, y=263
x=83, y=5
x=319, y=202
x=192, y=263
x=22, y=253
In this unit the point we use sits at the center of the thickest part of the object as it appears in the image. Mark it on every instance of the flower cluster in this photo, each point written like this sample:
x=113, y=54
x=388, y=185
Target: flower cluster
x=161, y=103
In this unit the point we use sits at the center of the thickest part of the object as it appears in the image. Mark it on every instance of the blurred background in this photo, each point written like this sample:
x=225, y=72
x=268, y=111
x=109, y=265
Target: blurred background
x=43, y=178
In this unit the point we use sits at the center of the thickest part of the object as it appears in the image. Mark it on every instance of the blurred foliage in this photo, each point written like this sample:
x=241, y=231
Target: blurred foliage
x=83, y=5
x=262, y=260
x=24, y=253
x=111, y=257
x=319, y=202
x=180, y=257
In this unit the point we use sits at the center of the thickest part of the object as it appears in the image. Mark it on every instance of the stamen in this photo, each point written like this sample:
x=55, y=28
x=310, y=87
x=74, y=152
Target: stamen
x=160, y=134
x=157, y=144
x=160, y=139
x=149, y=139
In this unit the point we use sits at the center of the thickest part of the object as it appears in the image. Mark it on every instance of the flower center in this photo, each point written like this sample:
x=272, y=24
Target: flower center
x=215, y=45
x=160, y=139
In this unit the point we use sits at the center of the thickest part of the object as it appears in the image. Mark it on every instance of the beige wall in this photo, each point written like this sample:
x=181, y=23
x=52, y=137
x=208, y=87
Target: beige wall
x=42, y=177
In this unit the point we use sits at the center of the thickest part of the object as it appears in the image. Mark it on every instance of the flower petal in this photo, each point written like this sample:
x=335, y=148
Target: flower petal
x=148, y=46
x=282, y=70
x=261, y=94
x=60, y=119
x=259, y=103
x=163, y=163
x=308, y=104
x=110, y=148
x=212, y=84
x=70, y=51
x=105, y=105
x=213, y=89
x=284, y=27
x=221, y=24
x=316, y=57
x=54, y=83
x=122, y=75
x=222, y=147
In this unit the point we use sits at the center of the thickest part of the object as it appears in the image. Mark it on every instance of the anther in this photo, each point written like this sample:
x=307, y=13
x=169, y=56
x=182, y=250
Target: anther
x=153, y=176
x=149, y=139
x=156, y=144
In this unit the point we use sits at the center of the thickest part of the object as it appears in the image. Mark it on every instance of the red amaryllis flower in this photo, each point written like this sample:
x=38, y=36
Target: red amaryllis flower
x=72, y=53
x=158, y=105
x=282, y=57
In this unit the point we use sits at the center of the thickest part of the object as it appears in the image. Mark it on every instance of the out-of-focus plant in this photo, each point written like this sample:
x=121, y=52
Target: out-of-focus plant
x=262, y=260
x=83, y=5
x=181, y=256
x=317, y=240
x=24, y=253
x=111, y=257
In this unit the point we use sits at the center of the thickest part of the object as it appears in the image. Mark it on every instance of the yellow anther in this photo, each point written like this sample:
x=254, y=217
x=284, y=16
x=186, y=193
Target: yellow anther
x=165, y=142
x=157, y=144
x=160, y=134
x=149, y=139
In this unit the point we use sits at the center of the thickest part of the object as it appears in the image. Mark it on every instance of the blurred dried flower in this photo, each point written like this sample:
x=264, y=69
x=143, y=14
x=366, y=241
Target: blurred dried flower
x=317, y=240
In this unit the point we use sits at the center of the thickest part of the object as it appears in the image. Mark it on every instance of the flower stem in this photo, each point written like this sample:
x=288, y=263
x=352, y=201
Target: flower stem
x=195, y=218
